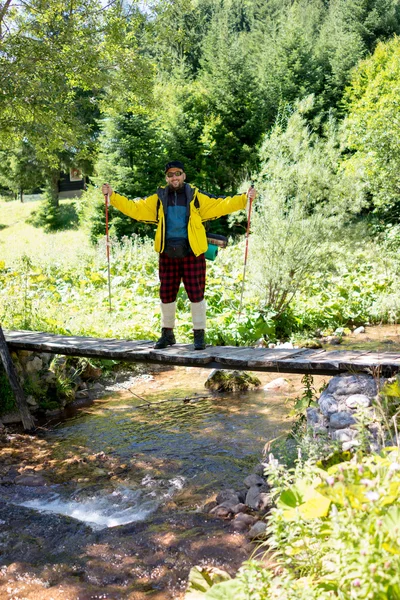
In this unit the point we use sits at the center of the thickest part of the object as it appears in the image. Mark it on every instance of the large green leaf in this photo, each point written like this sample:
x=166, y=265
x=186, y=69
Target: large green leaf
x=202, y=579
x=289, y=498
x=228, y=590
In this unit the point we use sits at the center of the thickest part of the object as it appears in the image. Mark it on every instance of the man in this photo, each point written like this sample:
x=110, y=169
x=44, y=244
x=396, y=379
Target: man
x=179, y=210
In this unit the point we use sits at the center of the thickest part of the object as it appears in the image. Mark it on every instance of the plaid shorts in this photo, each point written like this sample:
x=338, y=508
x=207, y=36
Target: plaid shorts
x=190, y=269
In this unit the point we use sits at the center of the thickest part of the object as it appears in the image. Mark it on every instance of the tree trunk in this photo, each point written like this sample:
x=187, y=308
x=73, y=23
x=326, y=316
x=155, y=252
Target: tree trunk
x=21, y=195
x=27, y=419
x=52, y=187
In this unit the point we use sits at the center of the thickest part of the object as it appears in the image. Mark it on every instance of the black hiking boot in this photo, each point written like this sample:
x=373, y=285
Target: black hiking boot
x=167, y=339
x=199, y=342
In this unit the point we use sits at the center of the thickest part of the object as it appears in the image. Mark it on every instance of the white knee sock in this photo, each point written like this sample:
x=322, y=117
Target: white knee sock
x=198, y=314
x=168, y=314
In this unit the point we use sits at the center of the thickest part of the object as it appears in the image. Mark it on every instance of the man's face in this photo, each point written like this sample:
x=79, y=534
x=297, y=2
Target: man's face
x=175, y=178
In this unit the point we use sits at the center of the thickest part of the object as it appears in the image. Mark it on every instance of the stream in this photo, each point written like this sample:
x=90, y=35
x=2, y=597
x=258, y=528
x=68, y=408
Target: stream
x=106, y=502
x=110, y=506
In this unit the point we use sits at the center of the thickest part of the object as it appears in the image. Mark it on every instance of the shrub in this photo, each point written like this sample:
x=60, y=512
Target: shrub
x=335, y=533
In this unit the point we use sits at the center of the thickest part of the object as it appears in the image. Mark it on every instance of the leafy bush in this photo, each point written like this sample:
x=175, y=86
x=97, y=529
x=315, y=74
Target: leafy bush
x=295, y=216
x=335, y=533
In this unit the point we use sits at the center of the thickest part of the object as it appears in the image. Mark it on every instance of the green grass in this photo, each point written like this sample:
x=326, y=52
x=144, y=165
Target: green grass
x=18, y=237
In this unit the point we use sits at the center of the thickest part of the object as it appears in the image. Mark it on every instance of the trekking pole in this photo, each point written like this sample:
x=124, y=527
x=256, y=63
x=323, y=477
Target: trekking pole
x=246, y=251
x=106, y=201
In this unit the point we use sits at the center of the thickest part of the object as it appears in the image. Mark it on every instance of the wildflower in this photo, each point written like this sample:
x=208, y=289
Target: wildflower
x=367, y=482
x=372, y=496
x=330, y=480
x=356, y=583
x=394, y=467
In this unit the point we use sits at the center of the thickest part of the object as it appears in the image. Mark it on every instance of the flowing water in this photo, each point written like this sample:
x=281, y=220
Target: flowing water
x=129, y=475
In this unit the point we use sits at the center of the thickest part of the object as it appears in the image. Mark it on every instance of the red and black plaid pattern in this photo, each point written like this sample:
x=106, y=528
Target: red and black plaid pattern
x=190, y=269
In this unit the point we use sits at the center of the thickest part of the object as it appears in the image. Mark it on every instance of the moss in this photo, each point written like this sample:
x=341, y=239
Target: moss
x=7, y=400
x=232, y=381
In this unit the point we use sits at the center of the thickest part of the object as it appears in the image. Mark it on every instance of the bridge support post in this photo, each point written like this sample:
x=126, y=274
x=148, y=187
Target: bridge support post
x=27, y=419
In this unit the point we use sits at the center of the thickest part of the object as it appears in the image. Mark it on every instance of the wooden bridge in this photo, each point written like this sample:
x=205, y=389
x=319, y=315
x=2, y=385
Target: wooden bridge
x=283, y=360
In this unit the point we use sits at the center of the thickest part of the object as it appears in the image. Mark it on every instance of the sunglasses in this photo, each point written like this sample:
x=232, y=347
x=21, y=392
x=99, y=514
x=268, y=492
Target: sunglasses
x=174, y=174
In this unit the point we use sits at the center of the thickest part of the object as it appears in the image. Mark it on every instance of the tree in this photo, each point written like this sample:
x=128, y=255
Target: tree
x=303, y=199
x=284, y=55
x=58, y=65
x=132, y=159
x=372, y=126
x=20, y=170
x=350, y=31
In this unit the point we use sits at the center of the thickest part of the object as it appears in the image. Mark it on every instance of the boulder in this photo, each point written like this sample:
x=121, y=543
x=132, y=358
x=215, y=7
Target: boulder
x=277, y=384
x=228, y=495
x=327, y=403
x=253, y=495
x=34, y=366
x=239, y=508
x=344, y=435
x=339, y=331
x=341, y=420
x=30, y=400
x=222, y=512
x=10, y=418
x=258, y=530
x=242, y=522
x=221, y=380
x=259, y=469
x=81, y=394
x=97, y=387
x=208, y=506
x=314, y=417
x=253, y=480
x=359, y=330
x=49, y=377
x=347, y=385
x=358, y=401
x=265, y=502
x=350, y=445
x=46, y=358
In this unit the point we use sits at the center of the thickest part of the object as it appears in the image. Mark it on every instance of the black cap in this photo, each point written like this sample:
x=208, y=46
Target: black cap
x=177, y=164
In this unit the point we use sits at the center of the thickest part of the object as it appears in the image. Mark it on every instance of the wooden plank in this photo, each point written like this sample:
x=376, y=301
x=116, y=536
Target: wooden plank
x=182, y=354
x=26, y=417
x=245, y=358
x=110, y=348
x=387, y=363
x=313, y=361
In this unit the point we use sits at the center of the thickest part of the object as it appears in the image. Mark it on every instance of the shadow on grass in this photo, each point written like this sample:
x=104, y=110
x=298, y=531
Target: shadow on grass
x=55, y=218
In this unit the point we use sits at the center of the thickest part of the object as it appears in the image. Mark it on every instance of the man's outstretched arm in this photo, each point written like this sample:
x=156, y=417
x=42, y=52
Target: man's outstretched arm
x=141, y=209
x=212, y=208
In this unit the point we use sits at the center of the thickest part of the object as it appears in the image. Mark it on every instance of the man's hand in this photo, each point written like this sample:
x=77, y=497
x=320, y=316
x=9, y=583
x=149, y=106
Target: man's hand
x=251, y=193
x=106, y=189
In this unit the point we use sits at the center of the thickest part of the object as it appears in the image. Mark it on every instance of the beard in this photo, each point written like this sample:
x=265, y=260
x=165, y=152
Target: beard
x=176, y=187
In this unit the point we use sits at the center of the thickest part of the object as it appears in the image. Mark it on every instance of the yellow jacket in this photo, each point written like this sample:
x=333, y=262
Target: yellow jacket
x=202, y=207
